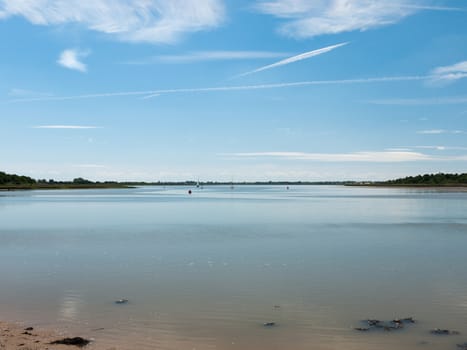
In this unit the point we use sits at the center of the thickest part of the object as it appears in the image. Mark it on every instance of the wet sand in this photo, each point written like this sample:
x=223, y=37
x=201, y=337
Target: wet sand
x=26, y=337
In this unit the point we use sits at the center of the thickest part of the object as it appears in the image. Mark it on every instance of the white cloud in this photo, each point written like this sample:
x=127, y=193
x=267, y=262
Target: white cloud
x=16, y=92
x=156, y=21
x=201, y=56
x=377, y=157
x=71, y=59
x=308, y=18
x=447, y=74
x=78, y=127
x=440, y=131
x=296, y=58
x=443, y=148
x=89, y=166
x=421, y=101
x=398, y=149
x=433, y=131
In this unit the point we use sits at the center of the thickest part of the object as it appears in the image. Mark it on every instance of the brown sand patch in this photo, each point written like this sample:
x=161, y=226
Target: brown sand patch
x=28, y=337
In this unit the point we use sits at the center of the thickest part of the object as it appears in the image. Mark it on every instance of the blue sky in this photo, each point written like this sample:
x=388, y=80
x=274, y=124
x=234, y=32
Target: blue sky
x=224, y=89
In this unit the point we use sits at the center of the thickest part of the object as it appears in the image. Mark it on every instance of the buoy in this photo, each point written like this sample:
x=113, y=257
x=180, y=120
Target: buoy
x=189, y=191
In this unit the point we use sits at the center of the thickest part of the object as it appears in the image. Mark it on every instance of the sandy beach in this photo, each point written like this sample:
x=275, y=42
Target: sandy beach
x=26, y=337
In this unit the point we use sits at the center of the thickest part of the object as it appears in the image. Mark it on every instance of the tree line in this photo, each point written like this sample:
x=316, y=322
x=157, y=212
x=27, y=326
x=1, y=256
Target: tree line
x=440, y=179
x=21, y=180
x=13, y=179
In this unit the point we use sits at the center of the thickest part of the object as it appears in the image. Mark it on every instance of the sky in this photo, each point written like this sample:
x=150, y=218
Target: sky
x=233, y=90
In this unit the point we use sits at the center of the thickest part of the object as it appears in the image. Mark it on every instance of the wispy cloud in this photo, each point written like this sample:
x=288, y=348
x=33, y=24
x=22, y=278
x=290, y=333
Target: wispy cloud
x=78, y=127
x=398, y=149
x=421, y=101
x=89, y=166
x=296, y=58
x=432, y=132
x=156, y=21
x=440, y=131
x=308, y=18
x=15, y=92
x=382, y=157
x=202, y=56
x=71, y=59
x=374, y=157
x=448, y=74
x=228, y=88
x=443, y=148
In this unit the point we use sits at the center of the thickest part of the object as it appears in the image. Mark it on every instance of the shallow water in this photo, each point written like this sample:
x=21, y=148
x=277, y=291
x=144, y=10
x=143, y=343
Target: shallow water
x=206, y=271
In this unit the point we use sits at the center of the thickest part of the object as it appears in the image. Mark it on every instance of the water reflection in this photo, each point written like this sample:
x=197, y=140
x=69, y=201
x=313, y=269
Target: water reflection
x=70, y=306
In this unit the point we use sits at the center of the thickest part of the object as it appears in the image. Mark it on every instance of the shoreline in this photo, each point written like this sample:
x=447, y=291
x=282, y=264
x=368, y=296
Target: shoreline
x=62, y=187
x=446, y=188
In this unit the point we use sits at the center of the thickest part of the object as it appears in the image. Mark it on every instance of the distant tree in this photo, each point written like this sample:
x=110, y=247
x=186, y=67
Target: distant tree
x=12, y=179
x=439, y=179
x=81, y=181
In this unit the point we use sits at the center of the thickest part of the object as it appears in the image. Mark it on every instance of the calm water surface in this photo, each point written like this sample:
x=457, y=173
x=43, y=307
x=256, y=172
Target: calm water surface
x=206, y=271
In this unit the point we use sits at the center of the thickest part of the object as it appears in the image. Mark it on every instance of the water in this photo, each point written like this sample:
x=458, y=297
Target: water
x=206, y=271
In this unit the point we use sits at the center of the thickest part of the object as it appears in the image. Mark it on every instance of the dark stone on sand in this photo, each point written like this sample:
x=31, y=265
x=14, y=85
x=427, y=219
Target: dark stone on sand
x=373, y=323
x=403, y=320
x=29, y=329
x=121, y=301
x=26, y=333
x=438, y=331
x=269, y=324
x=396, y=324
x=77, y=341
x=388, y=326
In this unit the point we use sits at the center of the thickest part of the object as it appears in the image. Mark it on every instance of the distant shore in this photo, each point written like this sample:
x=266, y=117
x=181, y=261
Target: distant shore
x=118, y=185
x=13, y=182
x=61, y=187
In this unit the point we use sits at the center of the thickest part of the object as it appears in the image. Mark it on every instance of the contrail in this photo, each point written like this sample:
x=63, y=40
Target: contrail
x=296, y=58
x=227, y=88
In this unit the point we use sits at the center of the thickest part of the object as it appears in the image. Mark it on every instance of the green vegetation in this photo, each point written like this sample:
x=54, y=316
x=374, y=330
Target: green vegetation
x=427, y=180
x=439, y=179
x=17, y=182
